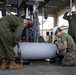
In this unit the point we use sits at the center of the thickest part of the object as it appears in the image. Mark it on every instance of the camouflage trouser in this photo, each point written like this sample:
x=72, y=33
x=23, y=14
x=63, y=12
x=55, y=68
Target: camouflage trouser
x=6, y=45
x=70, y=58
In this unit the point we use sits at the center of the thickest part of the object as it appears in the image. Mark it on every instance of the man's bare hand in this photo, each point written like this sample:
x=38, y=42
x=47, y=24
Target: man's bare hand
x=57, y=52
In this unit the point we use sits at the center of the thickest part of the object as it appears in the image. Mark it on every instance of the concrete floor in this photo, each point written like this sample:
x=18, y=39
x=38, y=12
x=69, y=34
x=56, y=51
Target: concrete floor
x=41, y=68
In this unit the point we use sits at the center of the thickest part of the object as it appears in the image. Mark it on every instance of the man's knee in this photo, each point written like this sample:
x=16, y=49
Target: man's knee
x=69, y=60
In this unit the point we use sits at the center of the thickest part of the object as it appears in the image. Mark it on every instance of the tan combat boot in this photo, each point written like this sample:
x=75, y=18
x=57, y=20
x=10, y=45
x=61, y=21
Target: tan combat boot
x=14, y=66
x=4, y=65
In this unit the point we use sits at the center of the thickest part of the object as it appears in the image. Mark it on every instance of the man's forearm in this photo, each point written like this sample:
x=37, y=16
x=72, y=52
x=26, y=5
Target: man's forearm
x=65, y=15
x=62, y=49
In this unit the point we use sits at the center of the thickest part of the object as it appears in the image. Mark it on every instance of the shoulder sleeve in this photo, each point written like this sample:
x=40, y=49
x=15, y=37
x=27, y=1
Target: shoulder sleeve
x=13, y=20
x=63, y=38
x=18, y=22
x=18, y=31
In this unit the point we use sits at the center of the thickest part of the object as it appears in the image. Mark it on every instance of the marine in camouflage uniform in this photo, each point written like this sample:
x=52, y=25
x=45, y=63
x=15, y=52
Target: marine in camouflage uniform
x=72, y=24
x=11, y=28
x=68, y=44
x=70, y=58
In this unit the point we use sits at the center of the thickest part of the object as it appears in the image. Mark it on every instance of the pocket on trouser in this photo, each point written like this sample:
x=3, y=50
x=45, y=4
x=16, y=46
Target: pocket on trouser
x=69, y=59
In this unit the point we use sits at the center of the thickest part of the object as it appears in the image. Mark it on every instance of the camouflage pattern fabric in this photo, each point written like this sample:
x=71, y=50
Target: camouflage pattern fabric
x=70, y=58
x=10, y=30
